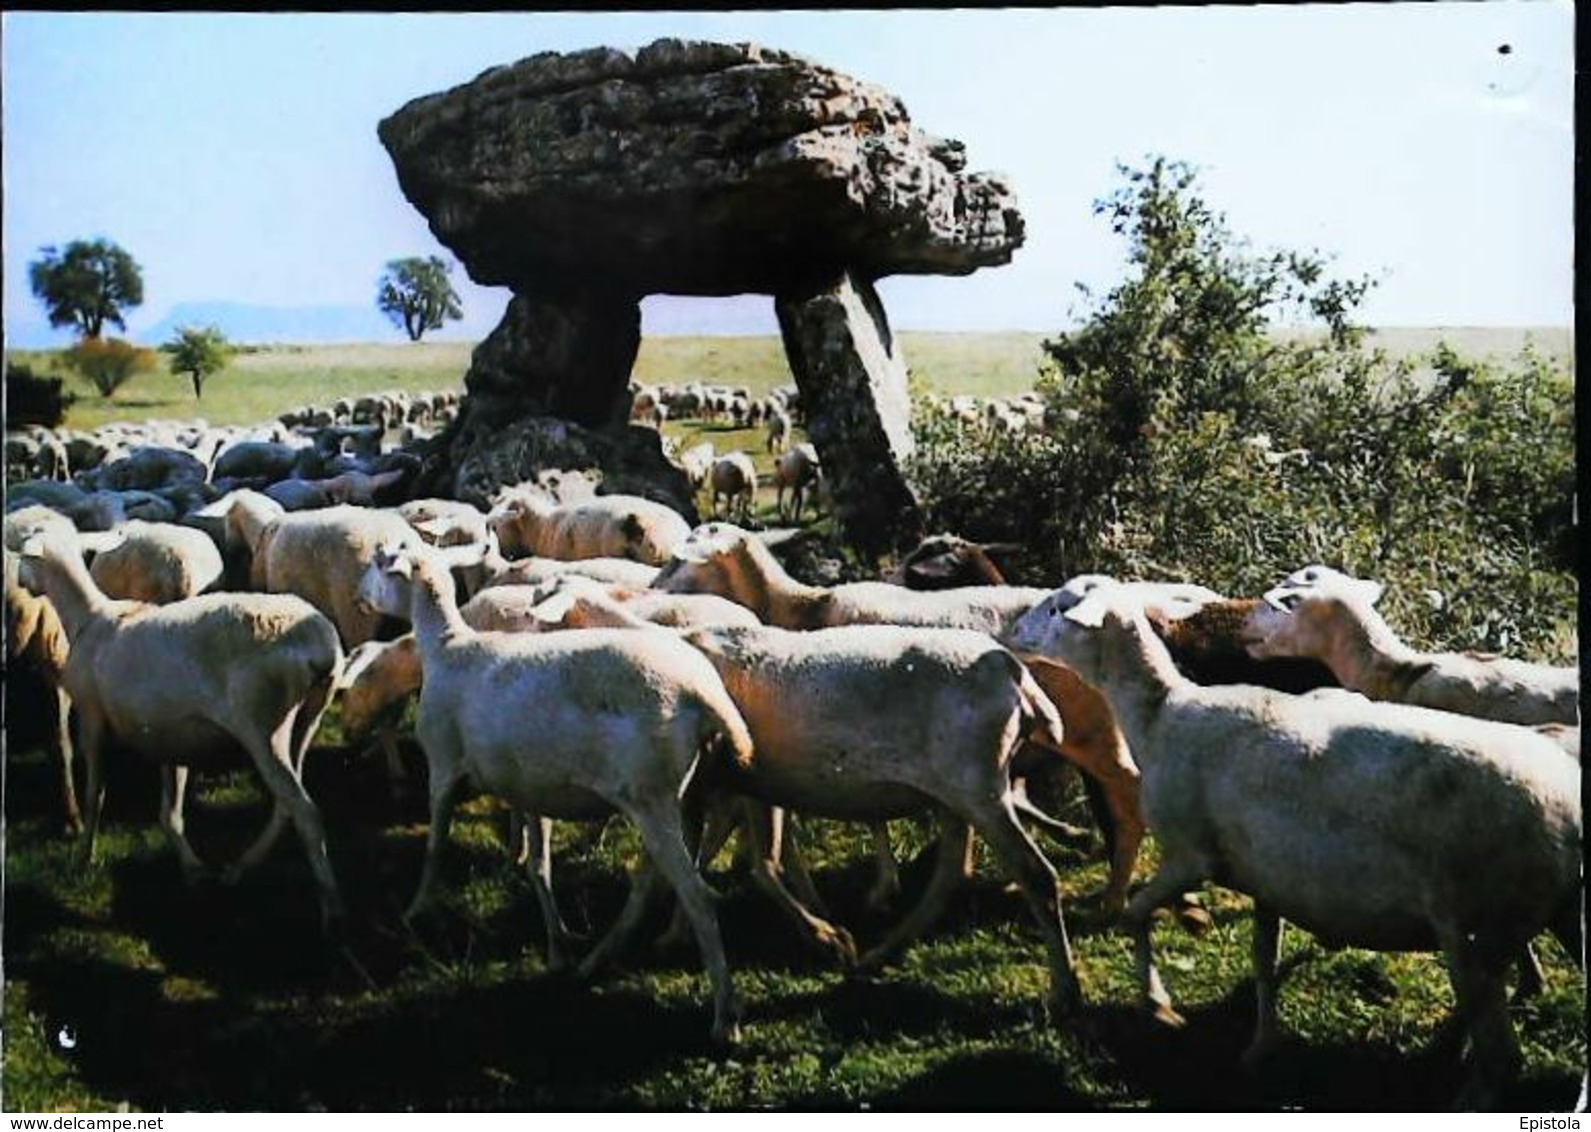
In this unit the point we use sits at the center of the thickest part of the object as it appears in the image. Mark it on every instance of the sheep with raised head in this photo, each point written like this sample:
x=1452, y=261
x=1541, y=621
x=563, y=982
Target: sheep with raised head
x=623, y=721
x=319, y=555
x=1321, y=614
x=1372, y=825
x=190, y=685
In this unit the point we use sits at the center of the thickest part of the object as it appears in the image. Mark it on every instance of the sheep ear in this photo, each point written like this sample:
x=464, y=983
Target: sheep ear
x=359, y=660
x=1372, y=591
x=778, y=536
x=555, y=608
x=1088, y=614
x=1284, y=599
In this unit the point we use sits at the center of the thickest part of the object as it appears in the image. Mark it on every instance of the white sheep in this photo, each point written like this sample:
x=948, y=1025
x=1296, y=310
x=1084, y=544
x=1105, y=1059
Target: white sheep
x=157, y=562
x=620, y=721
x=870, y=723
x=795, y=471
x=1331, y=617
x=779, y=427
x=723, y=559
x=1370, y=825
x=189, y=683
x=532, y=571
x=34, y=636
x=320, y=555
x=734, y=479
x=607, y=526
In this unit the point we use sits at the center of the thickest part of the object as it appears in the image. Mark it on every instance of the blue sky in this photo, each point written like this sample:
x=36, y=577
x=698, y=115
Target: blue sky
x=236, y=157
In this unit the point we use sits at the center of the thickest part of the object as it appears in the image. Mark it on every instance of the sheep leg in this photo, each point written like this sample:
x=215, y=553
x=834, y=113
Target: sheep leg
x=718, y=823
x=1482, y=1003
x=173, y=791
x=91, y=739
x=538, y=863
x=765, y=828
x=446, y=787
x=261, y=846
x=1174, y=877
x=1530, y=976
x=795, y=868
x=63, y=751
x=1064, y=832
x=886, y=875
x=954, y=840
x=1041, y=888
x=644, y=889
x=273, y=758
x=1267, y=945
x=663, y=834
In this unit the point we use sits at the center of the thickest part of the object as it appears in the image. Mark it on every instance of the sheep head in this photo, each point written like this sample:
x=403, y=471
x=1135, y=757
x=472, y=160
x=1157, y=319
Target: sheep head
x=387, y=585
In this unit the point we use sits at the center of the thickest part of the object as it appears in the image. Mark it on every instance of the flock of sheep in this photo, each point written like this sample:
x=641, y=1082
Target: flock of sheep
x=1289, y=747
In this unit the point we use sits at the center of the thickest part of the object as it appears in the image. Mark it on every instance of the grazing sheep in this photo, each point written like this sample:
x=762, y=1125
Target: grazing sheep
x=734, y=479
x=697, y=462
x=1372, y=825
x=778, y=430
x=157, y=563
x=1332, y=618
x=611, y=526
x=877, y=722
x=796, y=471
x=189, y=683
x=621, y=721
x=256, y=461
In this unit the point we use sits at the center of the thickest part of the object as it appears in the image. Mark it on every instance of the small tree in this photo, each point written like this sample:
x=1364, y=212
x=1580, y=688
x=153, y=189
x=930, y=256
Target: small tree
x=109, y=363
x=87, y=284
x=198, y=352
x=416, y=295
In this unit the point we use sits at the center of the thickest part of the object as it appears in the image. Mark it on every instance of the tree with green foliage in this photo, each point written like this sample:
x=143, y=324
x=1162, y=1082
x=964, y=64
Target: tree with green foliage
x=109, y=363
x=198, y=352
x=416, y=295
x=87, y=284
x=1219, y=417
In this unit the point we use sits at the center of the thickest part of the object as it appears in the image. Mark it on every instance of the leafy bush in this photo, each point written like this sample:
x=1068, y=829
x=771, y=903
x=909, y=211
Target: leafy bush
x=33, y=399
x=1185, y=439
x=109, y=363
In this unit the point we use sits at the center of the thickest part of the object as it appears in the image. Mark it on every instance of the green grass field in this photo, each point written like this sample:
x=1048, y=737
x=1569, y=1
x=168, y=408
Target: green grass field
x=122, y=986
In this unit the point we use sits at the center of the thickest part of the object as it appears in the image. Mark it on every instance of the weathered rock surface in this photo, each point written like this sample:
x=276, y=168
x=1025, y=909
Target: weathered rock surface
x=853, y=381
x=629, y=460
x=690, y=168
x=570, y=358
x=588, y=180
